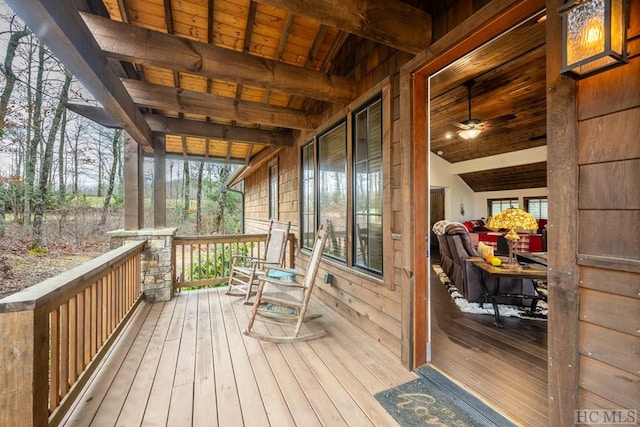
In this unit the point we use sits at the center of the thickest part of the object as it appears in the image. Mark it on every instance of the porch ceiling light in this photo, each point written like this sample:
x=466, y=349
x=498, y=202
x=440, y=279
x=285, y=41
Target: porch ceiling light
x=594, y=36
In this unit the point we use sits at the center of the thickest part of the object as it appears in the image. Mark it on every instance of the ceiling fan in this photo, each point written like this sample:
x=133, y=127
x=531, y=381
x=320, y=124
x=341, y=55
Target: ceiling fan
x=471, y=128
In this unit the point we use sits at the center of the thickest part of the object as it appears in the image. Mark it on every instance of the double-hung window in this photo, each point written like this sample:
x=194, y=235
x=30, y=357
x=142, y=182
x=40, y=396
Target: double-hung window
x=498, y=205
x=536, y=206
x=273, y=190
x=349, y=209
x=332, y=189
x=307, y=196
x=367, y=187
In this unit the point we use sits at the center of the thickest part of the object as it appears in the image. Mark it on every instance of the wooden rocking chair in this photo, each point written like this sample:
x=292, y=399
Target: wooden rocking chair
x=246, y=269
x=288, y=307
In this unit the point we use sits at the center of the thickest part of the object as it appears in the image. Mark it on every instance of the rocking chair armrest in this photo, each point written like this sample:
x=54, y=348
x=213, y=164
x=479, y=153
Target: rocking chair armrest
x=249, y=258
x=264, y=263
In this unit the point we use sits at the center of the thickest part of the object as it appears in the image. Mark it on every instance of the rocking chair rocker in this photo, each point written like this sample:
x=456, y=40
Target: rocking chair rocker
x=246, y=269
x=288, y=307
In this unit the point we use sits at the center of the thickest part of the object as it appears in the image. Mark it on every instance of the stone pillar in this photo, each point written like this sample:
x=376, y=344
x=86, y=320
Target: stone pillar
x=157, y=259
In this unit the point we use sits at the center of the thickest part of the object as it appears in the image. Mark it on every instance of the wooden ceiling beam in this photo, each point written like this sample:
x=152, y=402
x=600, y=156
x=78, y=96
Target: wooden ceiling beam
x=389, y=22
x=59, y=26
x=190, y=102
x=148, y=47
x=176, y=126
x=180, y=126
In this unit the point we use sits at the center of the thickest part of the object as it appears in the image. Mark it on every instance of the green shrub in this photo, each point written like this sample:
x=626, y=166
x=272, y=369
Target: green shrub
x=216, y=264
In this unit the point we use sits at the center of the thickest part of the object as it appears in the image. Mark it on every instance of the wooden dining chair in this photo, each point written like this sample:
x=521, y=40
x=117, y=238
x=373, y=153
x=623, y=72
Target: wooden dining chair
x=245, y=269
x=285, y=303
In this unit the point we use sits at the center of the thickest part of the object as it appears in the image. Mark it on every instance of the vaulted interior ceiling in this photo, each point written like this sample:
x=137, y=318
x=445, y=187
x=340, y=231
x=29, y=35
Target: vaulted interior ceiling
x=508, y=96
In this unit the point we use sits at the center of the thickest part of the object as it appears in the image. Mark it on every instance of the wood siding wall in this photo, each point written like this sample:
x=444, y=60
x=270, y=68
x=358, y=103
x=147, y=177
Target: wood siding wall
x=373, y=305
x=369, y=302
x=608, y=156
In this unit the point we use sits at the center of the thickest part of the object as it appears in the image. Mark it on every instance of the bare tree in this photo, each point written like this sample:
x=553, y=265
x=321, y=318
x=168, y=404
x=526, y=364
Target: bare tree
x=218, y=220
x=10, y=77
x=199, y=199
x=117, y=137
x=34, y=143
x=187, y=189
x=41, y=199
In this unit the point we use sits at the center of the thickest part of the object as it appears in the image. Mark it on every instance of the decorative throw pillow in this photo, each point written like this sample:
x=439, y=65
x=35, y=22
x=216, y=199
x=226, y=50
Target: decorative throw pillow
x=476, y=225
x=484, y=250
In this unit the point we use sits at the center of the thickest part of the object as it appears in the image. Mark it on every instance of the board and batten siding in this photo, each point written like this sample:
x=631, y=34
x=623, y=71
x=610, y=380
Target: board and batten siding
x=608, y=156
x=371, y=303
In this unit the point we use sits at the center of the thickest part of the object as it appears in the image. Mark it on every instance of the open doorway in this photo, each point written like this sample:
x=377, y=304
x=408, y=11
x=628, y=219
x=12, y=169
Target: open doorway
x=497, y=92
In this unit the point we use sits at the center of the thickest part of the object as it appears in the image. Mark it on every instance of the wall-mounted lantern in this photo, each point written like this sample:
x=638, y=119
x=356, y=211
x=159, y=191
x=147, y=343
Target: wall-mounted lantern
x=594, y=36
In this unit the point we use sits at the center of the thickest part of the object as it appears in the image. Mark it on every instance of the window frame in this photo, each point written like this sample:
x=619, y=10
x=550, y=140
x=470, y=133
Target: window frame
x=354, y=161
x=313, y=147
x=527, y=200
x=502, y=200
x=273, y=189
x=318, y=206
x=381, y=91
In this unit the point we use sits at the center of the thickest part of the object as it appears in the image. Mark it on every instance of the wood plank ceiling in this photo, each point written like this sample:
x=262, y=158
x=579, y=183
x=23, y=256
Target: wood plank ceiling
x=508, y=96
x=233, y=80
x=251, y=71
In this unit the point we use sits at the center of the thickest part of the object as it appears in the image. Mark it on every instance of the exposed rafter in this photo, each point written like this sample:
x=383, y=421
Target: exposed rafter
x=59, y=26
x=175, y=126
x=389, y=22
x=180, y=126
x=189, y=102
x=131, y=43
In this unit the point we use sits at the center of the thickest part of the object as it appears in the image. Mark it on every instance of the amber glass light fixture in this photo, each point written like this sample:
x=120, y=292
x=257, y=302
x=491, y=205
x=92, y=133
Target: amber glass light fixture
x=512, y=219
x=594, y=36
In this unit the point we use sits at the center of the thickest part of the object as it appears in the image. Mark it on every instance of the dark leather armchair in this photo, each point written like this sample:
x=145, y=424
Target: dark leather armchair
x=469, y=279
x=463, y=275
x=446, y=261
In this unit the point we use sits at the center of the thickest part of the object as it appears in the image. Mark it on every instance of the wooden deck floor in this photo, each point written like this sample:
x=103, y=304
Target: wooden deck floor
x=185, y=362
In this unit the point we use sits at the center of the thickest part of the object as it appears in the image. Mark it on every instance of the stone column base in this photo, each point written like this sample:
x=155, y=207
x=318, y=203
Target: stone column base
x=157, y=259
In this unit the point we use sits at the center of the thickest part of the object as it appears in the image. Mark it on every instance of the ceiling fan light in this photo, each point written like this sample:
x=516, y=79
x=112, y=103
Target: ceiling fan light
x=469, y=133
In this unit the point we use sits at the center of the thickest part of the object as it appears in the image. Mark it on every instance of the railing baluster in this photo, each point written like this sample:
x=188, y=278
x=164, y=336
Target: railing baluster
x=64, y=348
x=54, y=359
x=87, y=328
x=215, y=263
x=73, y=344
x=79, y=333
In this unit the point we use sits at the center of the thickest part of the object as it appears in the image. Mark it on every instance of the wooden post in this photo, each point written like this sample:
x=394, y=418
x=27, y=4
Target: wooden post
x=133, y=185
x=24, y=374
x=160, y=184
x=562, y=181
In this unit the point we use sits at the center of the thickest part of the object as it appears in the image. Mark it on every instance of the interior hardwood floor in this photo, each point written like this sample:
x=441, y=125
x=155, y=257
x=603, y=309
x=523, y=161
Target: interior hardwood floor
x=185, y=362
x=506, y=367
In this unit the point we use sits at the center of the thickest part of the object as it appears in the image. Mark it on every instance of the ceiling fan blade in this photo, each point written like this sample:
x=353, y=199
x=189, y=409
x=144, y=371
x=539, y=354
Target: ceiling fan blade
x=461, y=125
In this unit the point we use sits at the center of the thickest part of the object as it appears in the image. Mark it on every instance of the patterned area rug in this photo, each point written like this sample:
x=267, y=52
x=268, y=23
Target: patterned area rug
x=434, y=400
x=506, y=310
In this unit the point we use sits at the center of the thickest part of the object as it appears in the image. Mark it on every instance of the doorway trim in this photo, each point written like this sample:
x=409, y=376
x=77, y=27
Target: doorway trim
x=492, y=20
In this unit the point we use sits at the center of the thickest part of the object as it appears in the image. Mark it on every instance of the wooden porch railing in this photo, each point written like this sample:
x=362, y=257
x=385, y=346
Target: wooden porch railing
x=54, y=334
x=205, y=260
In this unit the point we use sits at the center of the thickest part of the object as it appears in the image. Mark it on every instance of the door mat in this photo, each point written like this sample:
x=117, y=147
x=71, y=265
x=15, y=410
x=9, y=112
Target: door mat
x=432, y=399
